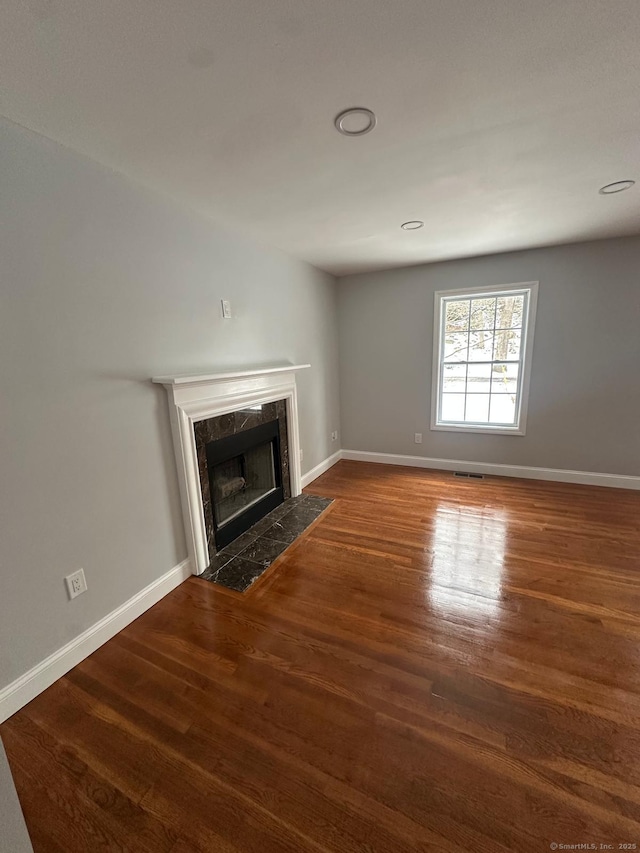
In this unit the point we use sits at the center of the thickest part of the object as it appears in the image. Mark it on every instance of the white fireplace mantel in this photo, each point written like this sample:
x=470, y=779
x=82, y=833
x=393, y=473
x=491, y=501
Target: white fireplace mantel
x=199, y=396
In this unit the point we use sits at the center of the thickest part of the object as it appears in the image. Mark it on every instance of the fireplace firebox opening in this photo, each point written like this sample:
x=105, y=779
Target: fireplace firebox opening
x=245, y=479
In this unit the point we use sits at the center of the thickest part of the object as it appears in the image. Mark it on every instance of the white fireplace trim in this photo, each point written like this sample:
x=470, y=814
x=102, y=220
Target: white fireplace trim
x=198, y=397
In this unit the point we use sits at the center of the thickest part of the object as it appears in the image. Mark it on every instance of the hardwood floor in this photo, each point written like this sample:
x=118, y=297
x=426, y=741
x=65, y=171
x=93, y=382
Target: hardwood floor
x=440, y=665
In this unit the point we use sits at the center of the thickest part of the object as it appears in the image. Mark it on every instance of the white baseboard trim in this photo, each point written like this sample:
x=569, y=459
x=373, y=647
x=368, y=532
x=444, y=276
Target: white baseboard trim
x=589, y=478
x=314, y=473
x=16, y=695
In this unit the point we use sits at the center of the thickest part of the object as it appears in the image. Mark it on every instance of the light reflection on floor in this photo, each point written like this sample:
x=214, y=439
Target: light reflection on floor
x=468, y=547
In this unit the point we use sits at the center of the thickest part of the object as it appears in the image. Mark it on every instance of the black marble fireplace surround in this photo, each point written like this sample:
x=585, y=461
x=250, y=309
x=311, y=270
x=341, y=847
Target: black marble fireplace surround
x=229, y=429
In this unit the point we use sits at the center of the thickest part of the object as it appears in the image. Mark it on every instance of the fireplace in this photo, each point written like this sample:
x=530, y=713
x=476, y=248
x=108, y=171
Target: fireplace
x=245, y=480
x=243, y=467
x=208, y=408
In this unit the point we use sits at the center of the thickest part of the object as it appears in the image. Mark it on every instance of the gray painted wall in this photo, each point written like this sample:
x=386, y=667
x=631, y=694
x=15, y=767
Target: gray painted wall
x=13, y=832
x=104, y=285
x=584, y=404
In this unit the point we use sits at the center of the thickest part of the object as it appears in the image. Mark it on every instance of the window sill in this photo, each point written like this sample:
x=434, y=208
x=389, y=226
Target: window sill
x=475, y=428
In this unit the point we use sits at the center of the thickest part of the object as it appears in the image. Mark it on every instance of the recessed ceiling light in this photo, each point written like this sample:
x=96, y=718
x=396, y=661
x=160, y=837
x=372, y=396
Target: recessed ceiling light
x=412, y=225
x=617, y=187
x=356, y=121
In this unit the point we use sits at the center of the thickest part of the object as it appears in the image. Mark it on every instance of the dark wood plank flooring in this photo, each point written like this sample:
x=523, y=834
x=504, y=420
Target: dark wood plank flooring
x=440, y=665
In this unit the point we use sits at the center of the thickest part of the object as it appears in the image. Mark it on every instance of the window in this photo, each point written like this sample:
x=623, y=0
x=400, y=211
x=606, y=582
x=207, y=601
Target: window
x=482, y=357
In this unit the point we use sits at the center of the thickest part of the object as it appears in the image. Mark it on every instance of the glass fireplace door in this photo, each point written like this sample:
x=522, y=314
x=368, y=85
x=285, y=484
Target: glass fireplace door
x=241, y=482
x=245, y=479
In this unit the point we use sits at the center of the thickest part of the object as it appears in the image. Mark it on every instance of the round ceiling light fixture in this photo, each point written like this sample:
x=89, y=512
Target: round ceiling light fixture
x=356, y=121
x=617, y=187
x=412, y=225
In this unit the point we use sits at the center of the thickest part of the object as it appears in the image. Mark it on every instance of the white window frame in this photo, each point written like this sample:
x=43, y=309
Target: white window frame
x=528, y=328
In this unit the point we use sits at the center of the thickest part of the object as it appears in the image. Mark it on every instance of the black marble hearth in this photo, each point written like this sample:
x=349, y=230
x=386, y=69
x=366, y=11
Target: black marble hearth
x=243, y=561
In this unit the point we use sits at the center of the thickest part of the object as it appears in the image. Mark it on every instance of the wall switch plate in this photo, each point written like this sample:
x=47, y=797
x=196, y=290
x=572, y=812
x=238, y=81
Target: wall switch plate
x=301, y=454
x=418, y=438
x=226, y=309
x=334, y=435
x=76, y=583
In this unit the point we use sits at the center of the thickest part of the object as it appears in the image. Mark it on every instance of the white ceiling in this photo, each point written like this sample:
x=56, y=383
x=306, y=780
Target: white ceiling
x=498, y=120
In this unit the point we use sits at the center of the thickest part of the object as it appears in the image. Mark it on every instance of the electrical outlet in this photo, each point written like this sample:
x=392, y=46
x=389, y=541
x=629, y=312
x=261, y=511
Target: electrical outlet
x=226, y=309
x=76, y=583
x=418, y=438
x=301, y=454
x=334, y=435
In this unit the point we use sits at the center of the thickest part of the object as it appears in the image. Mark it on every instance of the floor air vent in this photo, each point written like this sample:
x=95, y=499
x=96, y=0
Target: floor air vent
x=469, y=475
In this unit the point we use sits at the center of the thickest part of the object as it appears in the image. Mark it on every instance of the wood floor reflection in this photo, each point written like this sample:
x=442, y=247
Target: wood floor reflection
x=439, y=665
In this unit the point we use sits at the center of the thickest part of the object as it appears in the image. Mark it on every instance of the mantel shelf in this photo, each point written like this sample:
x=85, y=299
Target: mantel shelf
x=197, y=378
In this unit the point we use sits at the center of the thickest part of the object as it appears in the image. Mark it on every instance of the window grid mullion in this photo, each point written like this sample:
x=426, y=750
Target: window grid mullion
x=466, y=369
x=493, y=353
x=466, y=380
